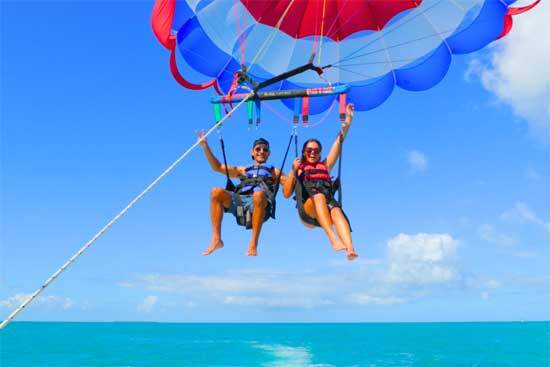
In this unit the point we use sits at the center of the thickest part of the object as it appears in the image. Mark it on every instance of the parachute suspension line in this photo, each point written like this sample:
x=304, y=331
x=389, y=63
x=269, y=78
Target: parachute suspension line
x=459, y=6
x=344, y=62
x=240, y=27
x=386, y=52
x=271, y=36
x=102, y=231
x=337, y=17
x=389, y=29
x=321, y=34
x=437, y=32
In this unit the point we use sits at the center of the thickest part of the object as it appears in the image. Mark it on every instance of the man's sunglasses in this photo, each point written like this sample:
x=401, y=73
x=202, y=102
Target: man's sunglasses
x=261, y=149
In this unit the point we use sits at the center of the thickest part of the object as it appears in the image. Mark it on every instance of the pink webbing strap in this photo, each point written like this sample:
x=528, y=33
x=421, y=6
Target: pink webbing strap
x=342, y=107
x=305, y=109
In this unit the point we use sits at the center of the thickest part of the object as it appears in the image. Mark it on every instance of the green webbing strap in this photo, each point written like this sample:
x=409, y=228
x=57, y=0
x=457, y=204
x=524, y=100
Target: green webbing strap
x=217, y=112
x=250, y=111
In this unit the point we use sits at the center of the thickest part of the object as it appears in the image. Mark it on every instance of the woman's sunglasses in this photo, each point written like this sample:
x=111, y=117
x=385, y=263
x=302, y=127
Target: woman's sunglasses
x=313, y=150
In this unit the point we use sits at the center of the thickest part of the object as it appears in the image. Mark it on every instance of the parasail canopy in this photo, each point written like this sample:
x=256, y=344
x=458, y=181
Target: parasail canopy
x=372, y=46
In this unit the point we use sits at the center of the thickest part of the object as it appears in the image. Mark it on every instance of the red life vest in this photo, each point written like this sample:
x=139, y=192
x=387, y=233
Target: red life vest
x=317, y=171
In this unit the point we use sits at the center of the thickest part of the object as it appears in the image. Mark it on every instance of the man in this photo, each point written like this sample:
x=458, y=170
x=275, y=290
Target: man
x=253, y=201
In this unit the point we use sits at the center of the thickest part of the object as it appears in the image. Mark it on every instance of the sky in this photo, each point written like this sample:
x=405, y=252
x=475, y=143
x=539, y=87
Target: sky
x=447, y=189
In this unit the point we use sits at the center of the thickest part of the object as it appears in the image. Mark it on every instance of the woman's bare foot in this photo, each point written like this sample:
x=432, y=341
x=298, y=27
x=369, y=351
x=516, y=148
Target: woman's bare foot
x=351, y=254
x=336, y=244
x=214, y=245
x=252, y=250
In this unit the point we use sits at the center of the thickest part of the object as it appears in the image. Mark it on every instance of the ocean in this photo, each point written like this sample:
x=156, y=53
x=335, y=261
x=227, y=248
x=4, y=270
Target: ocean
x=60, y=344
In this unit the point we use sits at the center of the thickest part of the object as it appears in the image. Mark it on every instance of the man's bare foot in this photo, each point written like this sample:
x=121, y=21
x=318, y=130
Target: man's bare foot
x=252, y=251
x=214, y=245
x=351, y=254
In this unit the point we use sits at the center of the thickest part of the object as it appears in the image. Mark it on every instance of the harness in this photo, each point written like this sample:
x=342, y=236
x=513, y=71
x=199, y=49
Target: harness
x=316, y=178
x=255, y=177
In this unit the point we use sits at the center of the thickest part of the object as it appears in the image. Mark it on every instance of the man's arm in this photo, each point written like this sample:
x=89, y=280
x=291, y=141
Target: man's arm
x=234, y=172
x=334, y=153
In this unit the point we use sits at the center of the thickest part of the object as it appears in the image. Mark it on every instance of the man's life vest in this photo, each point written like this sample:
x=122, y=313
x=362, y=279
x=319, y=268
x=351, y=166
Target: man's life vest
x=256, y=178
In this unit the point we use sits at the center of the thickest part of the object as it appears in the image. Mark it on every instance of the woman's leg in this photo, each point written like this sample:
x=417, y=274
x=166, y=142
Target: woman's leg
x=344, y=231
x=318, y=209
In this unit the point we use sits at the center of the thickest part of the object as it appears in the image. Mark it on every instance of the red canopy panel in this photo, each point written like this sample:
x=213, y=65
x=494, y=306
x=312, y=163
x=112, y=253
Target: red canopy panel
x=335, y=19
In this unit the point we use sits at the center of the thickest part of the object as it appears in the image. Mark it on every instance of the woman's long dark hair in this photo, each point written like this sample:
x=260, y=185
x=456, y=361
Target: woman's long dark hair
x=305, y=145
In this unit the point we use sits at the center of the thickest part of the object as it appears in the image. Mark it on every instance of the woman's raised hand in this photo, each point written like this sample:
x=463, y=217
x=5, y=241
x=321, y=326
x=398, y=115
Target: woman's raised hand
x=349, y=112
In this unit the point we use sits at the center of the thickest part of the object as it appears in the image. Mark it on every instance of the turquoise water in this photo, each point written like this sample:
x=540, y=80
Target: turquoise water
x=154, y=344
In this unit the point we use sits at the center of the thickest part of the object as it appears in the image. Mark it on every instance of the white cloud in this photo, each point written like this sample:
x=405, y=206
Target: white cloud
x=249, y=288
x=367, y=299
x=417, y=160
x=274, y=301
x=45, y=301
x=489, y=234
x=517, y=72
x=523, y=214
x=484, y=295
x=492, y=284
x=148, y=304
x=424, y=258
x=14, y=301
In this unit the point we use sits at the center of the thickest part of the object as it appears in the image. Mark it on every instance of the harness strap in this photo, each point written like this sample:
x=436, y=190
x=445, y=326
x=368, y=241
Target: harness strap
x=339, y=177
x=229, y=185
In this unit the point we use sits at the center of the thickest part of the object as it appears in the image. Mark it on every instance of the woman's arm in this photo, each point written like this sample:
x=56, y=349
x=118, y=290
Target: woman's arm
x=290, y=179
x=334, y=153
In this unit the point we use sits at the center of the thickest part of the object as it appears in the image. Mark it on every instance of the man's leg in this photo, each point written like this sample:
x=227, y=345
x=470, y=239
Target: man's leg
x=324, y=219
x=258, y=214
x=344, y=231
x=219, y=199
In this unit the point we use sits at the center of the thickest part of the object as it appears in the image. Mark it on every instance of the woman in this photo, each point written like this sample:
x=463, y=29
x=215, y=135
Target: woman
x=319, y=204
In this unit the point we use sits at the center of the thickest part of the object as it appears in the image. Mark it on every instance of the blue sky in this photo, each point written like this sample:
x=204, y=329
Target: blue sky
x=447, y=189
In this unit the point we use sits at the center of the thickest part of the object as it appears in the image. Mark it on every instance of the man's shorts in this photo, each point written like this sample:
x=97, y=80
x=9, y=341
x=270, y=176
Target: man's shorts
x=247, y=203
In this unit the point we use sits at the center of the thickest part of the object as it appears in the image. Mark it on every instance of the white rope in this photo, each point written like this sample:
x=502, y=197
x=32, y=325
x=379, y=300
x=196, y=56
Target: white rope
x=116, y=218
